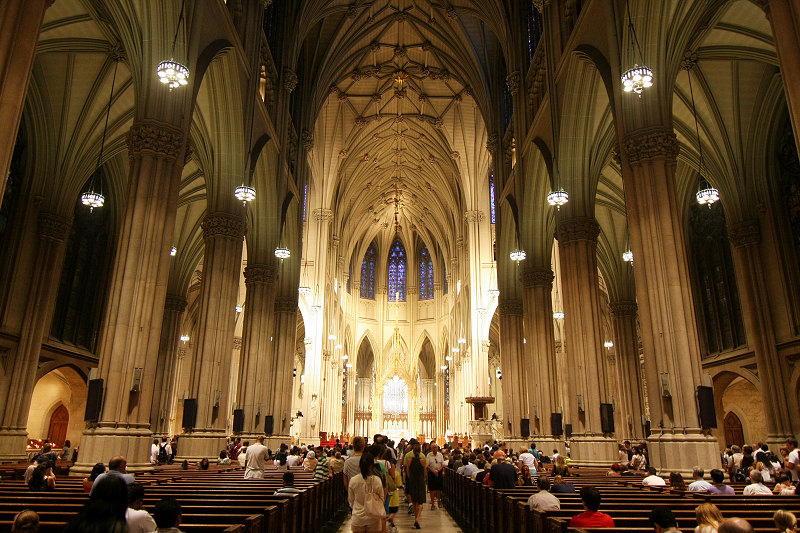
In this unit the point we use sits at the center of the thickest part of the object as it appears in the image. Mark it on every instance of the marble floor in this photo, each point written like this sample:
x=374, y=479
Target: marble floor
x=437, y=521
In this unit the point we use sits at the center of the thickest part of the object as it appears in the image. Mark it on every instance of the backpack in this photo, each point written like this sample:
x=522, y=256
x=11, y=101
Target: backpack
x=162, y=454
x=741, y=475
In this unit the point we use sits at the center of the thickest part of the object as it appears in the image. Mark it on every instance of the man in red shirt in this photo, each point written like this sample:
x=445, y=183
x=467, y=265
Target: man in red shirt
x=590, y=497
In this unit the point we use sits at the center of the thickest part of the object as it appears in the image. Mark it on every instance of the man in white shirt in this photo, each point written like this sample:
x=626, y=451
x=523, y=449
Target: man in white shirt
x=756, y=487
x=254, y=463
x=699, y=483
x=653, y=480
x=293, y=459
x=735, y=462
x=242, y=456
x=469, y=468
x=792, y=462
x=528, y=459
x=543, y=500
x=435, y=463
x=154, y=452
x=138, y=519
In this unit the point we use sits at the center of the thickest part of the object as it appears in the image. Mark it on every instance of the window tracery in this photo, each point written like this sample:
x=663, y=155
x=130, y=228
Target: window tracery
x=425, y=275
x=368, y=273
x=397, y=272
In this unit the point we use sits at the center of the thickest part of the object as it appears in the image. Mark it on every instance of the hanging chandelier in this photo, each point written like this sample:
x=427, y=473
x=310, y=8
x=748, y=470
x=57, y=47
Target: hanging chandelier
x=558, y=198
x=304, y=290
x=608, y=344
x=184, y=338
x=173, y=252
x=281, y=252
x=627, y=256
x=640, y=77
x=244, y=193
x=92, y=198
x=171, y=72
x=456, y=350
x=518, y=255
x=706, y=193
x=558, y=315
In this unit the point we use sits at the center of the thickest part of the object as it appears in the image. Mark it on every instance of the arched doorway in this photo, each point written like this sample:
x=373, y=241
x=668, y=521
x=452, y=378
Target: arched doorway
x=733, y=430
x=59, y=421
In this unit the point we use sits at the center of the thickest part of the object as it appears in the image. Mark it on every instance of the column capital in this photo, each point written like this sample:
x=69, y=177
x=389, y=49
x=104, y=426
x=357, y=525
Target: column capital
x=260, y=274
x=284, y=304
x=224, y=225
x=744, y=233
x=511, y=308
x=475, y=216
x=651, y=144
x=154, y=138
x=577, y=229
x=541, y=4
x=175, y=302
x=289, y=79
x=237, y=343
x=53, y=228
x=624, y=308
x=321, y=214
x=537, y=277
x=512, y=80
x=493, y=143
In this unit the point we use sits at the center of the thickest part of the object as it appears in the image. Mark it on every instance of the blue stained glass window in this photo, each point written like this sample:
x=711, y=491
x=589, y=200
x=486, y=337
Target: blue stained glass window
x=397, y=272
x=535, y=25
x=368, y=274
x=305, y=200
x=425, y=275
x=491, y=197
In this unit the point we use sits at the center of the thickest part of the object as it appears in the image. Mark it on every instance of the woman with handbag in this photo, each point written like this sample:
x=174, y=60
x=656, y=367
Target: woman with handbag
x=366, y=496
x=416, y=480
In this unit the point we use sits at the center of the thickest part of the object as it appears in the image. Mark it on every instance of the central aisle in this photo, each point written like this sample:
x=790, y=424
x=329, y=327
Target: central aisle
x=437, y=521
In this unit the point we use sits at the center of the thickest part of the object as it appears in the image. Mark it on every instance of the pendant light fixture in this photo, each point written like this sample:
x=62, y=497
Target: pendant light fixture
x=247, y=193
x=640, y=77
x=518, y=254
x=627, y=256
x=557, y=197
x=304, y=288
x=91, y=197
x=707, y=194
x=171, y=72
x=493, y=291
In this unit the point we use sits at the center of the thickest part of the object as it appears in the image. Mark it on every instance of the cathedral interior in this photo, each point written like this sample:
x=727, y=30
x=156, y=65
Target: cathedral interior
x=568, y=220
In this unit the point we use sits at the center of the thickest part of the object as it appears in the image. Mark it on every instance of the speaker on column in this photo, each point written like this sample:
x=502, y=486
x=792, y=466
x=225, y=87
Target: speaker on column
x=269, y=424
x=94, y=401
x=189, y=413
x=555, y=424
x=568, y=430
x=238, y=420
x=607, y=417
x=526, y=427
x=705, y=403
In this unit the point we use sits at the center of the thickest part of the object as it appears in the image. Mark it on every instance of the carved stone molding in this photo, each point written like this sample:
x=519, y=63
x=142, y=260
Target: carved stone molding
x=485, y=345
x=326, y=355
x=308, y=343
x=615, y=155
x=285, y=304
x=223, y=225
x=537, y=277
x=335, y=241
x=451, y=13
x=175, y=303
x=513, y=80
x=648, y=145
x=578, y=229
x=621, y=309
x=237, y=343
x=289, y=79
x=307, y=140
x=153, y=138
x=411, y=290
x=260, y=274
x=460, y=242
x=53, y=228
x=474, y=216
x=540, y=4
x=744, y=233
x=321, y=214
x=493, y=143
x=511, y=308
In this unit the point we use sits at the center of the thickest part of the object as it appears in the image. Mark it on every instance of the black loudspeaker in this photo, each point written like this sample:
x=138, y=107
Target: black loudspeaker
x=94, y=401
x=189, y=413
x=705, y=402
x=238, y=420
x=647, y=431
x=269, y=424
x=568, y=430
x=555, y=424
x=607, y=417
x=526, y=427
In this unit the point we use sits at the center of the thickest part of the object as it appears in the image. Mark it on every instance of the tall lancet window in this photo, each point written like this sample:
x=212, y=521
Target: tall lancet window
x=368, y=274
x=491, y=197
x=425, y=275
x=397, y=272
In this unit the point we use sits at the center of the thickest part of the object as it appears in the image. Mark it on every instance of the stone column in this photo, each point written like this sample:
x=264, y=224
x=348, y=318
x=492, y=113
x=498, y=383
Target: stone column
x=284, y=342
x=16, y=387
x=512, y=333
x=441, y=407
x=256, y=359
x=20, y=25
x=746, y=240
x=626, y=348
x=163, y=390
x=134, y=314
x=666, y=308
x=223, y=235
x=540, y=356
x=587, y=383
x=350, y=427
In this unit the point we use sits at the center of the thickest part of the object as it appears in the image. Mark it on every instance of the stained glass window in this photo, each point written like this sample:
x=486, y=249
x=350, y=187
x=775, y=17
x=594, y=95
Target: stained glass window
x=368, y=274
x=305, y=200
x=535, y=25
x=444, y=282
x=397, y=272
x=491, y=197
x=425, y=275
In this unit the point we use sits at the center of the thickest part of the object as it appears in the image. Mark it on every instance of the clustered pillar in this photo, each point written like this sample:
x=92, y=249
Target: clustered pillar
x=628, y=417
